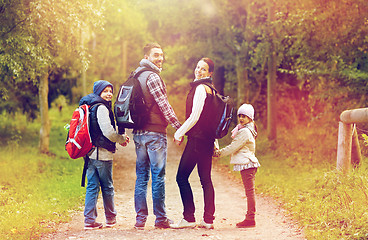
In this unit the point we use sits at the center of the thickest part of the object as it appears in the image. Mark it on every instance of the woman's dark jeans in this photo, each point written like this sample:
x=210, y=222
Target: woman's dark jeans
x=197, y=152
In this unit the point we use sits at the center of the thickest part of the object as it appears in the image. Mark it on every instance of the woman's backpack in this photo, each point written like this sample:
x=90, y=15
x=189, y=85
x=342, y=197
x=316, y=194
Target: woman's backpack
x=222, y=112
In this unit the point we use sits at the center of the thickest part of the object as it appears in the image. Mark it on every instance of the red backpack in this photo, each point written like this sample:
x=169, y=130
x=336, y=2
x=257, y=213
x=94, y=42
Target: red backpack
x=79, y=142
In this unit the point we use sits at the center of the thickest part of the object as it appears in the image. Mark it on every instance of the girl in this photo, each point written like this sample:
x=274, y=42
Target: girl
x=242, y=150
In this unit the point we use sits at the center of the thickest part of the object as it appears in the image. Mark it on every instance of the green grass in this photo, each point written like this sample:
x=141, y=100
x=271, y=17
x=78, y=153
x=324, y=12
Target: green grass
x=325, y=202
x=37, y=191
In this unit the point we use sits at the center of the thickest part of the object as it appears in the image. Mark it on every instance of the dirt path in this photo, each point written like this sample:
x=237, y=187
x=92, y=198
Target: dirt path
x=230, y=208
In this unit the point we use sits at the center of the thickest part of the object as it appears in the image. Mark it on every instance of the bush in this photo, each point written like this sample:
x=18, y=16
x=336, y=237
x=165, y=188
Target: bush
x=301, y=174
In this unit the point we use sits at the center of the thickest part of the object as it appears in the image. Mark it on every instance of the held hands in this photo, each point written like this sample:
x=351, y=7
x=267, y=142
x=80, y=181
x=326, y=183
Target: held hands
x=216, y=149
x=127, y=140
x=216, y=153
x=178, y=142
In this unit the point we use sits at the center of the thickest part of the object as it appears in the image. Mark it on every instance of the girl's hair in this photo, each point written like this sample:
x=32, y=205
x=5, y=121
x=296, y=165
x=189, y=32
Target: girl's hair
x=255, y=128
x=211, y=65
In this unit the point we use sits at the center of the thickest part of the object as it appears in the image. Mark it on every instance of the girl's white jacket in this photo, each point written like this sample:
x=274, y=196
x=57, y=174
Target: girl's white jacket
x=242, y=148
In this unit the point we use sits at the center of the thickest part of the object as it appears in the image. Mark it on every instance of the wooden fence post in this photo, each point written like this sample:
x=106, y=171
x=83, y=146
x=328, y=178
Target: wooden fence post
x=344, y=142
x=356, y=153
x=348, y=137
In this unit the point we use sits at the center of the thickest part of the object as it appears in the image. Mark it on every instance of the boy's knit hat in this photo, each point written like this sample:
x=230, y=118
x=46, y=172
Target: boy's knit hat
x=247, y=110
x=100, y=85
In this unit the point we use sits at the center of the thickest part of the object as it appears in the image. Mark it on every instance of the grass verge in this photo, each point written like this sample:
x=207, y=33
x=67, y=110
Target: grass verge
x=326, y=203
x=37, y=191
x=40, y=191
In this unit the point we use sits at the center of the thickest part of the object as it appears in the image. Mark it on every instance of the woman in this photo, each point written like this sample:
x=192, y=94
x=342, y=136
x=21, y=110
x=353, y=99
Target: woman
x=99, y=171
x=199, y=148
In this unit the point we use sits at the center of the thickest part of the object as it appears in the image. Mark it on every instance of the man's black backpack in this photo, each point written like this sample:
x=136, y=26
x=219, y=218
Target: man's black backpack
x=222, y=113
x=131, y=110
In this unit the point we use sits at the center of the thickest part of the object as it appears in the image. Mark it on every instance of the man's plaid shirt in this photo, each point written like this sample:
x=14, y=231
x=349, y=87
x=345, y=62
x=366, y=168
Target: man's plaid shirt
x=157, y=88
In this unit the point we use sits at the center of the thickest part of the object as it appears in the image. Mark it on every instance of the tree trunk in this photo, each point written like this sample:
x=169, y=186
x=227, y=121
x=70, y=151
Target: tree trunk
x=271, y=80
x=84, y=81
x=84, y=78
x=243, y=81
x=243, y=60
x=43, y=91
x=219, y=79
x=124, y=64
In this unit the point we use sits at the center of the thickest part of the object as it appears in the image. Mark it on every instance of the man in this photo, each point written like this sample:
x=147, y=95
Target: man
x=151, y=140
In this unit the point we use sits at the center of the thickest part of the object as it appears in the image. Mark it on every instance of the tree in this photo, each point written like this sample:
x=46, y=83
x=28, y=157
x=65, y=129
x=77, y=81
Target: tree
x=117, y=47
x=271, y=76
x=37, y=37
x=304, y=47
x=245, y=28
x=324, y=51
x=316, y=50
x=16, y=59
x=230, y=32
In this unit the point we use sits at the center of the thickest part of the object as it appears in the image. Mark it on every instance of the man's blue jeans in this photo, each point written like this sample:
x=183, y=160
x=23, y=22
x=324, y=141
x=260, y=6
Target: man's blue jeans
x=151, y=150
x=99, y=174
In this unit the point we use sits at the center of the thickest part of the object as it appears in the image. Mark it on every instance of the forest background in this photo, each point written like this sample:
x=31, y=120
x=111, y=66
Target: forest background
x=300, y=63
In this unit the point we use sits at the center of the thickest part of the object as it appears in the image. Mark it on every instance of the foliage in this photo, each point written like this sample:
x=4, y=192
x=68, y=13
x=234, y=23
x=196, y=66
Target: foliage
x=37, y=191
x=117, y=47
x=319, y=40
x=322, y=70
x=316, y=43
x=305, y=55
x=37, y=38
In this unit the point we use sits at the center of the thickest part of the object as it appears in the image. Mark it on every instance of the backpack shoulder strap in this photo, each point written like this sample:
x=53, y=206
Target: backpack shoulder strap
x=90, y=108
x=210, y=89
x=136, y=75
x=94, y=105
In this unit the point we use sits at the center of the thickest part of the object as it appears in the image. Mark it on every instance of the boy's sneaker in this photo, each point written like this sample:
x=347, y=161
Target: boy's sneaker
x=203, y=224
x=95, y=225
x=183, y=224
x=111, y=223
x=164, y=224
x=246, y=224
x=139, y=226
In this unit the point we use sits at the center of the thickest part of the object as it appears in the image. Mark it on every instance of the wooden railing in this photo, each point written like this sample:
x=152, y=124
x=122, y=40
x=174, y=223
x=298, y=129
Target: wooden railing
x=348, y=149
